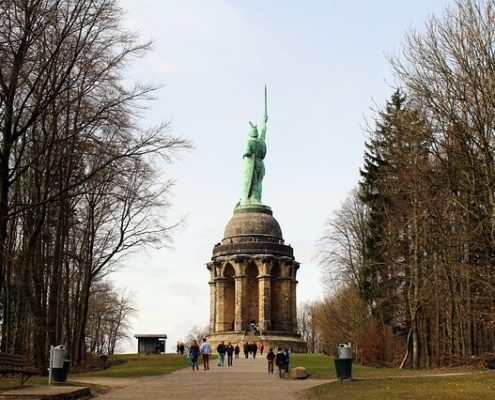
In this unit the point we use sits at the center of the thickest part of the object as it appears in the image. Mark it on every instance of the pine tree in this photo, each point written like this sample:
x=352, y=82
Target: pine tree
x=375, y=283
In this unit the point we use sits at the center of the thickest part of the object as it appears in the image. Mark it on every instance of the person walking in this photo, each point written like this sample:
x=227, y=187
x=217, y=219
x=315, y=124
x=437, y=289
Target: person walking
x=246, y=349
x=205, y=352
x=270, y=356
x=287, y=359
x=261, y=347
x=237, y=350
x=221, y=353
x=230, y=354
x=255, y=349
x=280, y=361
x=194, y=354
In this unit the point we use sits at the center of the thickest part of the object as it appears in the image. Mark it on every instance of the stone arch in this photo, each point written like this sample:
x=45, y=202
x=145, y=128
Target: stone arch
x=228, y=273
x=275, y=272
x=252, y=306
x=276, y=296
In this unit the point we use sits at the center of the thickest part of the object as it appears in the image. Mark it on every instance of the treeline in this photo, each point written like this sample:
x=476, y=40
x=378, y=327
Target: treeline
x=78, y=176
x=413, y=247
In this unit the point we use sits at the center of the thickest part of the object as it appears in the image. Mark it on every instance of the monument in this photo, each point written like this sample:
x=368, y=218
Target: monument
x=252, y=270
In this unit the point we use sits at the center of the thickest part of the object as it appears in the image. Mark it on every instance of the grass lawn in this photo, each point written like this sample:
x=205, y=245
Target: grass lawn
x=127, y=366
x=320, y=366
x=477, y=385
x=393, y=384
x=132, y=365
x=14, y=382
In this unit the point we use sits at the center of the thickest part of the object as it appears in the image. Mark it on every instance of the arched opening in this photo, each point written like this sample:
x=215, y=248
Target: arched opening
x=229, y=298
x=276, y=298
x=252, y=307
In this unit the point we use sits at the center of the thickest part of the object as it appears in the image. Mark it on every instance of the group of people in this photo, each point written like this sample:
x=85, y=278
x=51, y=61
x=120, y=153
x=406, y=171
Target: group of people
x=195, y=350
x=281, y=359
x=180, y=348
x=228, y=350
x=252, y=348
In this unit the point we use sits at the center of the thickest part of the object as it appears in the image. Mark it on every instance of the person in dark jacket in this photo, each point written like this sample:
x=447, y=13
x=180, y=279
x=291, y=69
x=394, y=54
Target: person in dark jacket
x=221, y=353
x=280, y=362
x=270, y=357
x=194, y=354
x=230, y=353
x=287, y=359
x=246, y=350
x=237, y=350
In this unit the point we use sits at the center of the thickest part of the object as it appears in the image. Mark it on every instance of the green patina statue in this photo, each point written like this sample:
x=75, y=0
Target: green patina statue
x=253, y=165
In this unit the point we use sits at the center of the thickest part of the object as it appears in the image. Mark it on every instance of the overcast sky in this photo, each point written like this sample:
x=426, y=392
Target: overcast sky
x=325, y=65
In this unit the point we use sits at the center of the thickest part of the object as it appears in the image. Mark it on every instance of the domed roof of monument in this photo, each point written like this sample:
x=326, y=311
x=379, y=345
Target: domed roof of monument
x=252, y=221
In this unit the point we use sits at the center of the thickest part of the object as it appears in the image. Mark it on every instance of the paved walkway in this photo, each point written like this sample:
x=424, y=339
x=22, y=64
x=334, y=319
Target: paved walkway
x=247, y=379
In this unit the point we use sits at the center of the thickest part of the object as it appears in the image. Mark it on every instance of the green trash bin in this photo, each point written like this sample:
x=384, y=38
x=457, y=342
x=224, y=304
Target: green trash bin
x=60, y=374
x=343, y=368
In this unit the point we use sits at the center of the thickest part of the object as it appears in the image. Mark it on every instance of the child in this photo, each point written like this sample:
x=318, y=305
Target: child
x=270, y=357
x=280, y=361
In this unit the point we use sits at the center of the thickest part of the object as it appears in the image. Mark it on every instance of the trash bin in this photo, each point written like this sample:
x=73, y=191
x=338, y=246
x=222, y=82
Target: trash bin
x=343, y=368
x=60, y=374
x=345, y=350
x=343, y=364
x=58, y=356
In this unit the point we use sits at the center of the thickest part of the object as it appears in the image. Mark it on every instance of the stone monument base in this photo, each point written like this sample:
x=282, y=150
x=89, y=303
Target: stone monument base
x=272, y=340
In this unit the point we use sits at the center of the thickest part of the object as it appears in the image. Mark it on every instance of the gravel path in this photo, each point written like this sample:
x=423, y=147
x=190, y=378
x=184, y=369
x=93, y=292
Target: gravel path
x=247, y=379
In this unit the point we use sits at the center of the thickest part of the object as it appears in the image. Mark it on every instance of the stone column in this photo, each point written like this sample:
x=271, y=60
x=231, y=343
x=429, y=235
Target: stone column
x=213, y=297
x=294, y=306
x=213, y=308
x=295, y=267
x=264, y=302
x=265, y=295
x=240, y=302
x=286, y=298
x=220, y=307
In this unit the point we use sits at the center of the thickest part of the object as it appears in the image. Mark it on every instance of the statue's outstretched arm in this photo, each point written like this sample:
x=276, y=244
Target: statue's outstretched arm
x=265, y=117
x=263, y=127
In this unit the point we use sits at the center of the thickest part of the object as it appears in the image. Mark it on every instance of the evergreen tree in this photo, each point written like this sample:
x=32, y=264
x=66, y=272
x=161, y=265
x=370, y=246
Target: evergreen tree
x=375, y=282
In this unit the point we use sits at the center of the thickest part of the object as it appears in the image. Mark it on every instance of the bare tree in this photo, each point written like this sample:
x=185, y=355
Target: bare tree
x=109, y=312
x=342, y=318
x=196, y=333
x=306, y=321
x=341, y=247
x=449, y=71
x=78, y=188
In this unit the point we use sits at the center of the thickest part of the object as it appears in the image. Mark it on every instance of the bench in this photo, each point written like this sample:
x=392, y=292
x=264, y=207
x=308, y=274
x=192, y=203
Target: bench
x=15, y=364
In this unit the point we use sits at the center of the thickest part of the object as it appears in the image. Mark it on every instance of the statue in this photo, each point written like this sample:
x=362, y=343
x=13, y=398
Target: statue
x=253, y=165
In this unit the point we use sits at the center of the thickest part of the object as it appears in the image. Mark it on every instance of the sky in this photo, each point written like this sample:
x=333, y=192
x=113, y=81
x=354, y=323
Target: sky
x=326, y=67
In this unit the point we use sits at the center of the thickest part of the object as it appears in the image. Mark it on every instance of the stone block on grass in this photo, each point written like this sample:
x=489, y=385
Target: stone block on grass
x=298, y=373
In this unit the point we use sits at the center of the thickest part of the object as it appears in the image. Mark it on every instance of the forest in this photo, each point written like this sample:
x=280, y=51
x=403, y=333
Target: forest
x=409, y=258
x=82, y=180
